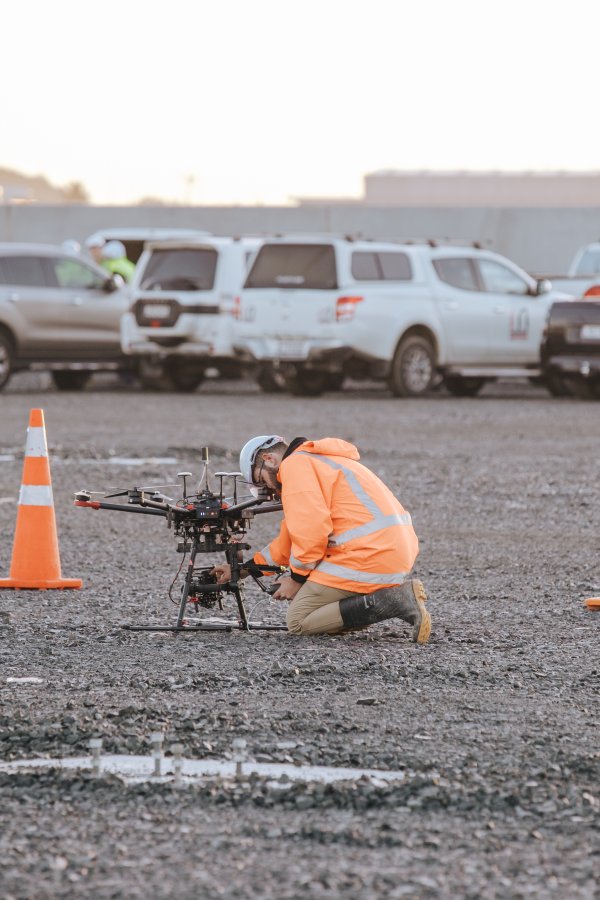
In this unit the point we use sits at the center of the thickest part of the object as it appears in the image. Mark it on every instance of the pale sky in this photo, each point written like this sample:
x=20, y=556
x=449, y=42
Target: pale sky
x=259, y=101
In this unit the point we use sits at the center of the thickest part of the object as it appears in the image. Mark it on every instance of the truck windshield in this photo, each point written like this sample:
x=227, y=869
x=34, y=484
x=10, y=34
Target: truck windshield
x=289, y=266
x=589, y=264
x=180, y=270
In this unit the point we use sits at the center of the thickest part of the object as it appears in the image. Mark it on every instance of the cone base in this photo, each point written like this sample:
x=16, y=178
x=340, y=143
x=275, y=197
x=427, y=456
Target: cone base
x=593, y=603
x=33, y=585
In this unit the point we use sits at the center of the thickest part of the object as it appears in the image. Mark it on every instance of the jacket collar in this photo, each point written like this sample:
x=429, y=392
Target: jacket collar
x=293, y=446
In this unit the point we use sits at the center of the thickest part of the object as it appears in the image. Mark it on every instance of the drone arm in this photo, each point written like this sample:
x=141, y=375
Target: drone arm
x=100, y=504
x=255, y=505
x=272, y=507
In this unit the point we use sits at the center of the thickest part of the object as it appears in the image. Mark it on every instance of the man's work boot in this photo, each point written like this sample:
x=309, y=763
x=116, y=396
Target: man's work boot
x=406, y=602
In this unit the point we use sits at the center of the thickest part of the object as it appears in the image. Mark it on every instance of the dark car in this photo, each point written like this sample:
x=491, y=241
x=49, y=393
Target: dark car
x=571, y=349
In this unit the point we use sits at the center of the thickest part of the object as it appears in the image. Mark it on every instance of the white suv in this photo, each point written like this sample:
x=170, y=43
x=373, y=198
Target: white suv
x=317, y=309
x=184, y=296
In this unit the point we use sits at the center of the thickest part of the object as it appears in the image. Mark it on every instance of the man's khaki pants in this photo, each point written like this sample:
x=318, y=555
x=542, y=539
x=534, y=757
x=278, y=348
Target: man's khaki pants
x=316, y=609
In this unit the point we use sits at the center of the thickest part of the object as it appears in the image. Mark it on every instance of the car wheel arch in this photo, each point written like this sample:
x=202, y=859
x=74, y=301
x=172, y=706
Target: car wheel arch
x=423, y=331
x=7, y=359
x=10, y=336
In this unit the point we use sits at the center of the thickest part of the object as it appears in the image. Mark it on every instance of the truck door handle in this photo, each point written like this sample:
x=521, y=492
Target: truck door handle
x=14, y=298
x=451, y=304
x=499, y=309
x=76, y=301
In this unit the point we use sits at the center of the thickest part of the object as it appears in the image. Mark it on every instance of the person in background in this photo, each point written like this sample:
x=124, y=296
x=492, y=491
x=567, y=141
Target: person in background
x=348, y=542
x=94, y=246
x=114, y=259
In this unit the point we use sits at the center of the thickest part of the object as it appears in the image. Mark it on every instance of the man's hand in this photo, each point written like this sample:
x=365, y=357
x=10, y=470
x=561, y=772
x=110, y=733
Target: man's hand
x=288, y=588
x=223, y=573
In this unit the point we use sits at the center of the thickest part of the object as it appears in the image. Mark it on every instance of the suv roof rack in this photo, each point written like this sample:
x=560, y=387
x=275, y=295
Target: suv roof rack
x=444, y=242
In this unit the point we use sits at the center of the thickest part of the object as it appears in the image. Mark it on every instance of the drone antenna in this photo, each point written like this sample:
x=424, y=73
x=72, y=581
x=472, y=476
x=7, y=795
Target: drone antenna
x=221, y=476
x=236, y=475
x=184, y=475
x=205, y=459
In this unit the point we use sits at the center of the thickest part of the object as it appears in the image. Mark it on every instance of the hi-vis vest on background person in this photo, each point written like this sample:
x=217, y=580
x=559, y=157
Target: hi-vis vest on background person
x=343, y=527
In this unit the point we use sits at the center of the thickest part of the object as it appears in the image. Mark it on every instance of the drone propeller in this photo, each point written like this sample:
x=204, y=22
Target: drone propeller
x=149, y=487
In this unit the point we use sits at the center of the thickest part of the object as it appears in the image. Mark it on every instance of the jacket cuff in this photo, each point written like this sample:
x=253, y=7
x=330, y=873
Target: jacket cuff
x=299, y=578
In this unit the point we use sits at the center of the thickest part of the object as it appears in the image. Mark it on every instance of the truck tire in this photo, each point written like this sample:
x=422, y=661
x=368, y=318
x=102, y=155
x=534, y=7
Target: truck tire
x=582, y=388
x=168, y=379
x=334, y=381
x=557, y=385
x=460, y=386
x=185, y=381
x=306, y=383
x=70, y=381
x=6, y=359
x=413, y=368
x=269, y=381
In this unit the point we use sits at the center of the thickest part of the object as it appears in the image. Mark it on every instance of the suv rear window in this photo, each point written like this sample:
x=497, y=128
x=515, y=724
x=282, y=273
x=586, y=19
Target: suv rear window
x=458, y=271
x=382, y=266
x=180, y=270
x=308, y=266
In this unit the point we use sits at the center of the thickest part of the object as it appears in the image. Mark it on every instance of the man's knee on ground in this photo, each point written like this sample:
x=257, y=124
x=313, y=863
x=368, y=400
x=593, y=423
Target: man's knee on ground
x=294, y=620
x=324, y=620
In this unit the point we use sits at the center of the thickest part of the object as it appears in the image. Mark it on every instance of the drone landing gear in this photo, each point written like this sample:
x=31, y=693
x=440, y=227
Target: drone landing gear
x=203, y=590
x=208, y=626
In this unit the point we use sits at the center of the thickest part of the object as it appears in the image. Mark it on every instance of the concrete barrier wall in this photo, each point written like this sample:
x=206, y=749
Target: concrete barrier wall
x=541, y=240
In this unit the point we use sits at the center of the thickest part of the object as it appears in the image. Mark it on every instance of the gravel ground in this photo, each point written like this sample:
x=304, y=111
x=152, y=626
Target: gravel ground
x=495, y=721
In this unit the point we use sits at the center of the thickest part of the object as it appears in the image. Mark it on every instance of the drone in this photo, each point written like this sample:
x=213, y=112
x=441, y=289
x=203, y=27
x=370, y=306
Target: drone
x=204, y=521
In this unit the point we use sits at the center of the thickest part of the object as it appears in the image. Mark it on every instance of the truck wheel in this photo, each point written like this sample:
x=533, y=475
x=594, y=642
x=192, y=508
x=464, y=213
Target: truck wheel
x=413, y=368
x=334, y=381
x=70, y=381
x=186, y=382
x=580, y=387
x=6, y=360
x=166, y=379
x=459, y=386
x=270, y=381
x=306, y=383
x=557, y=385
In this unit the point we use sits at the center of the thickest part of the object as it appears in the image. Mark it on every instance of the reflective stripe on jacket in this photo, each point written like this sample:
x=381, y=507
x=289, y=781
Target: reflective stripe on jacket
x=343, y=527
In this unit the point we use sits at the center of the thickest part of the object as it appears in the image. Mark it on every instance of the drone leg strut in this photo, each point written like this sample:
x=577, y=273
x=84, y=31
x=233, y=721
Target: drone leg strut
x=185, y=592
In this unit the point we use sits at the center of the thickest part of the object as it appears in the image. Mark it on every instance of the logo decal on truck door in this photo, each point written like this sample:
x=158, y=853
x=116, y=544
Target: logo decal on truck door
x=519, y=325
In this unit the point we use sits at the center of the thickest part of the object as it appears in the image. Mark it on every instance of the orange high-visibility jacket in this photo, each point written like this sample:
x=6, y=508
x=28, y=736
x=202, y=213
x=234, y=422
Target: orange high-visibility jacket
x=343, y=527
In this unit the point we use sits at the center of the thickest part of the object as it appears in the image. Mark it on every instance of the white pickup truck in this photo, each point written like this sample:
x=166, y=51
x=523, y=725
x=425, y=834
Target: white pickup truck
x=583, y=278
x=316, y=309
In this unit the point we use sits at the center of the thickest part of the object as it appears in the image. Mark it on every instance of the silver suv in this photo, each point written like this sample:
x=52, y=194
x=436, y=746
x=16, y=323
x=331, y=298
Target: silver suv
x=58, y=311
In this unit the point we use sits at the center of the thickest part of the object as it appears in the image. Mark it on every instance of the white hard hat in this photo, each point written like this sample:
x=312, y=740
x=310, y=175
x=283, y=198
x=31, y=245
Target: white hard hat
x=248, y=455
x=95, y=240
x=113, y=250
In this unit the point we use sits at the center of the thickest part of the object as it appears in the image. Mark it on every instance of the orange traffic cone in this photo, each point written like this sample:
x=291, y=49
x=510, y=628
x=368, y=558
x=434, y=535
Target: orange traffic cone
x=35, y=559
x=593, y=603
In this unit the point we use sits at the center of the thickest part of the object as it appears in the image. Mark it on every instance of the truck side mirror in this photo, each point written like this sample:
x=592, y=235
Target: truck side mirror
x=543, y=286
x=113, y=283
